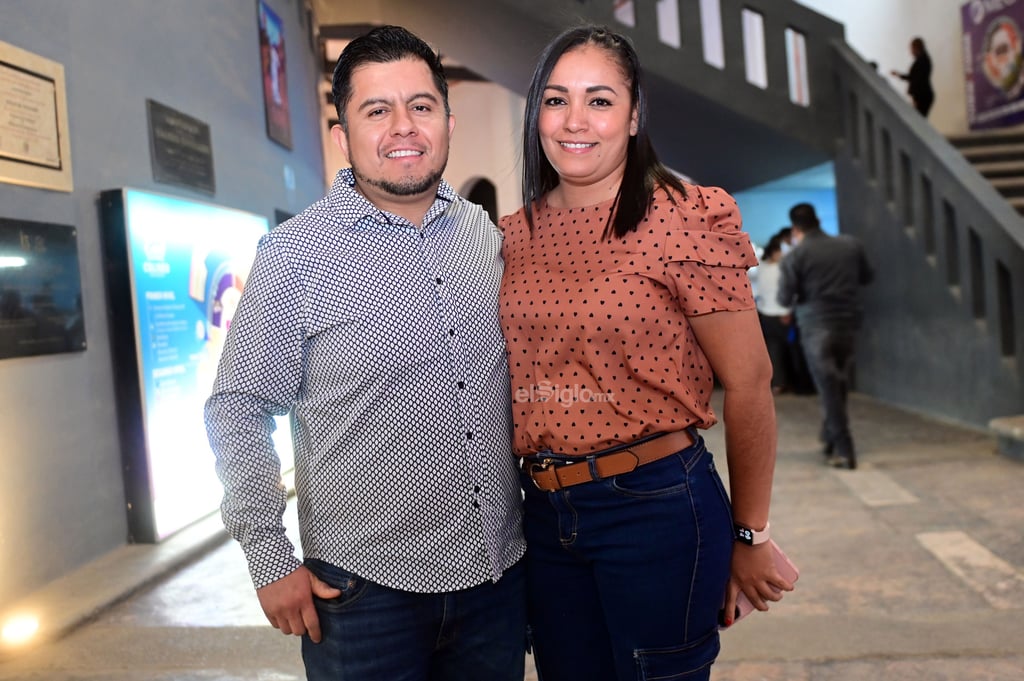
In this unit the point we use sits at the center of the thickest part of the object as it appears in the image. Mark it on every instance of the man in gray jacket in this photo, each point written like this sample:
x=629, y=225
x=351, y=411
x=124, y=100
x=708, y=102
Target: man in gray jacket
x=821, y=279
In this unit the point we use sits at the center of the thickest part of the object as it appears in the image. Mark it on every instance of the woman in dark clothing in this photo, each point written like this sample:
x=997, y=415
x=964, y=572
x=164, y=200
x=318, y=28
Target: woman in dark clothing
x=919, y=84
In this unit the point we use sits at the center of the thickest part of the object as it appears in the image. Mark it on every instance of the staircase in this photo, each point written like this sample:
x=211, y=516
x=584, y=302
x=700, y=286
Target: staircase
x=998, y=157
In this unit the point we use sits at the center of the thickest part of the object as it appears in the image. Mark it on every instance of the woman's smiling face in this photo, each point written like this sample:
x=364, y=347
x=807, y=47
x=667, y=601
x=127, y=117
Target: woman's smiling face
x=585, y=122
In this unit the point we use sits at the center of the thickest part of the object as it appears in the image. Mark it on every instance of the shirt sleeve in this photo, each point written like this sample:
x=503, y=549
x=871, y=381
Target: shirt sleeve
x=257, y=379
x=707, y=254
x=867, y=273
x=789, y=292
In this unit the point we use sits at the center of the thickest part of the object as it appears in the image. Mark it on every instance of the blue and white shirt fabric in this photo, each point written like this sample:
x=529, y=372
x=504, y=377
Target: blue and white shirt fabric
x=382, y=340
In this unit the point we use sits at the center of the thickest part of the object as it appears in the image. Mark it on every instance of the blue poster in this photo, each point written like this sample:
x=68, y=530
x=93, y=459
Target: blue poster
x=993, y=59
x=188, y=262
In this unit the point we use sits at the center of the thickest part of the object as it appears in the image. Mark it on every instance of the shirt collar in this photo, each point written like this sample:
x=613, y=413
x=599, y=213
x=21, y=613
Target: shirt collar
x=343, y=192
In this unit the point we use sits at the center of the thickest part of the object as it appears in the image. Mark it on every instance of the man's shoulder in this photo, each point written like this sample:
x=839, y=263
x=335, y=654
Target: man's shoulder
x=317, y=218
x=849, y=242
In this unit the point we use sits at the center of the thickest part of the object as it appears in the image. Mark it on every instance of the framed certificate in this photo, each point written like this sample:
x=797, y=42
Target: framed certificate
x=34, y=147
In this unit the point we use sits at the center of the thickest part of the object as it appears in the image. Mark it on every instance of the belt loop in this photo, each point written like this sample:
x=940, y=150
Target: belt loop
x=592, y=466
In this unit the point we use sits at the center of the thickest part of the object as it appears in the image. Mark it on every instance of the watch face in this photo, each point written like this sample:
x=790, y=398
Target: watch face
x=745, y=535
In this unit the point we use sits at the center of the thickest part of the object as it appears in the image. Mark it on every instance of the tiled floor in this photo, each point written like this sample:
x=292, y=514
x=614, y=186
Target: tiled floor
x=912, y=567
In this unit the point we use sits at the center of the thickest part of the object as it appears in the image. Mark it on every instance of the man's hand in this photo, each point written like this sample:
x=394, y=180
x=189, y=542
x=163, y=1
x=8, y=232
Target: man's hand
x=288, y=603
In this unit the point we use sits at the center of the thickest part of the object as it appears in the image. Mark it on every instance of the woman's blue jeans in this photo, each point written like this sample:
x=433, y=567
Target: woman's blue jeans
x=372, y=632
x=626, y=576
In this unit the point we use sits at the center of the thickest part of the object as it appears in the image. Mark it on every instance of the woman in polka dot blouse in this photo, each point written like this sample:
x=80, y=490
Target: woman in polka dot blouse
x=625, y=293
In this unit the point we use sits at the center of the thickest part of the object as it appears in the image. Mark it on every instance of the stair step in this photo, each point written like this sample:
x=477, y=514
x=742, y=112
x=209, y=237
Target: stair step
x=985, y=139
x=1001, y=168
x=1009, y=186
x=1018, y=203
x=994, y=153
x=1009, y=432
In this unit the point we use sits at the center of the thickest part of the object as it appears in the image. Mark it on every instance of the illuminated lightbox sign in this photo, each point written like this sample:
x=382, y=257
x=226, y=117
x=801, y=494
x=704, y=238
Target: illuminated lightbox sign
x=176, y=269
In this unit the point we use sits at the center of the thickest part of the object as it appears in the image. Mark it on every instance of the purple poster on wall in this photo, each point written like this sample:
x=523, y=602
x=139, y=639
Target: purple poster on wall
x=993, y=57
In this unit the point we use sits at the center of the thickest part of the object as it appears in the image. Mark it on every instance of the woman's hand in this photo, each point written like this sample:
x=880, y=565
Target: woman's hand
x=754, y=573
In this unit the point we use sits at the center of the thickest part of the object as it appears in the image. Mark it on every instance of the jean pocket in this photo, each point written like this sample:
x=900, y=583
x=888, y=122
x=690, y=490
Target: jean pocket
x=659, y=478
x=719, y=485
x=691, y=661
x=352, y=586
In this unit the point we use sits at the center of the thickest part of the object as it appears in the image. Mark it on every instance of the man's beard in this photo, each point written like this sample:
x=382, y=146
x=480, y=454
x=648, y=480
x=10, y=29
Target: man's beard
x=409, y=186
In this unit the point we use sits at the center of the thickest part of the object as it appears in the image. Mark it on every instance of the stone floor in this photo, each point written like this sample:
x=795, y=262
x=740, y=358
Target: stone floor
x=912, y=567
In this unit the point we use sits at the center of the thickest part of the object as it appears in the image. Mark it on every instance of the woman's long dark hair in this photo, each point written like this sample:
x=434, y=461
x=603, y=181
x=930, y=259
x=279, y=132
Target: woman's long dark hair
x=643, y=173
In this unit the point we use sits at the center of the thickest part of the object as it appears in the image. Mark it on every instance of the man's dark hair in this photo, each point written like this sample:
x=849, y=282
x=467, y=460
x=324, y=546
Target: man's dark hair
x=644, y=172
x=803, y=217
x=383, y=45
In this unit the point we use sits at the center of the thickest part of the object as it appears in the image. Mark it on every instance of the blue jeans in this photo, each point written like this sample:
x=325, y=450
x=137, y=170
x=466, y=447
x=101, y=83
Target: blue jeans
x=372, y=632
x=829, y=353
x=626, y=576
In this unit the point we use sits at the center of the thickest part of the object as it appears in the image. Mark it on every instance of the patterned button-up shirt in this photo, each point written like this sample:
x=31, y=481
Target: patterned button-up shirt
x=382, y=340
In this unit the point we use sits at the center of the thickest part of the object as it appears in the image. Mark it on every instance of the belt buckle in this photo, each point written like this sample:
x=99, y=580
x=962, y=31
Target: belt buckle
x=534, y=466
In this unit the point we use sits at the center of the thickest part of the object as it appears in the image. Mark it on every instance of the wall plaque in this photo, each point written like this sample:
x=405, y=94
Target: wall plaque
x=180, y=148
x=40, y=289
x=34, y=146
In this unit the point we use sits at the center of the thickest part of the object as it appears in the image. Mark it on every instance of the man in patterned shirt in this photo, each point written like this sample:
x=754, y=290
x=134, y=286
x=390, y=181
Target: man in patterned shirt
x=372, y=318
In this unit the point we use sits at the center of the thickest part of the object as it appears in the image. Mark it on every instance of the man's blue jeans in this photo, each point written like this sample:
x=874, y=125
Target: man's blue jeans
x=373, y=633
x=626, y=576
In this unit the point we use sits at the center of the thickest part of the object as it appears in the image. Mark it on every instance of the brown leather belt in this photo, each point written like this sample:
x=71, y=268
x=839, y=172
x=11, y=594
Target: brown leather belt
x=551, y=475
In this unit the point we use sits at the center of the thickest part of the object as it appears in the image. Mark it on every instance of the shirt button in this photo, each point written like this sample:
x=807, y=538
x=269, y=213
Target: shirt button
x=462, y=385
x=451, y=332
x=438, y=280
x=477, y=489
x=476, y=504
x=469, y=436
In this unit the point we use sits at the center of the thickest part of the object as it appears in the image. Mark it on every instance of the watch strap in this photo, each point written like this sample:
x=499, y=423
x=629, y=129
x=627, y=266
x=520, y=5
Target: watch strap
x=750, y=537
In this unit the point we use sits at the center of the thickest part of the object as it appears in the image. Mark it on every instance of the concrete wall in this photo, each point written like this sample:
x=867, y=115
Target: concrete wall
x=61, y=492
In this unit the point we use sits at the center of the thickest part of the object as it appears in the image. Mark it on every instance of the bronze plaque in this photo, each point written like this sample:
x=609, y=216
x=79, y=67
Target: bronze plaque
x=180, y=148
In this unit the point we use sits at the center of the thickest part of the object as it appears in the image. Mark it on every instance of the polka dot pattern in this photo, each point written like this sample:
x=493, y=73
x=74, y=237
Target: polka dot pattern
x=600, y=350
x=383, y=341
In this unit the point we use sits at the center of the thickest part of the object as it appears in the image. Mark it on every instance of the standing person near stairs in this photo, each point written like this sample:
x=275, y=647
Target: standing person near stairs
x=919, y=78
x=821, y=279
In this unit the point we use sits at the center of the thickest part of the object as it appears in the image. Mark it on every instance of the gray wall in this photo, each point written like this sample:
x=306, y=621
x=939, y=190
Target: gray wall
x=61, y=491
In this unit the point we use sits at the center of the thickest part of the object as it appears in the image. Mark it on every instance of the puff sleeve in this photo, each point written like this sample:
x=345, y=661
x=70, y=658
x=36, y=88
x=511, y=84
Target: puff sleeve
x=707, y=254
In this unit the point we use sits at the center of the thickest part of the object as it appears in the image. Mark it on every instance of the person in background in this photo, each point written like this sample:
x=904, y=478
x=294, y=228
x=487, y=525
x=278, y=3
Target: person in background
x=919, y=78
x=800, y=378
x=372, y=317
x=785, y=239
x=821, y=278
x=625, y=293
x=776, y=320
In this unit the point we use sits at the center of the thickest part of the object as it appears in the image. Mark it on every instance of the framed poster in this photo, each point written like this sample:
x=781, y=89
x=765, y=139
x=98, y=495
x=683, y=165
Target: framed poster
x=34, y=146
x=993, y=53
x=275, y=81
x=175, y=272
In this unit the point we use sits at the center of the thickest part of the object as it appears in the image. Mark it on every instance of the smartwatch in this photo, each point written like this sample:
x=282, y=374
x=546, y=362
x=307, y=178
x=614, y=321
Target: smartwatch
x=750, y=537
